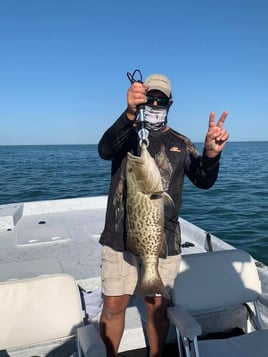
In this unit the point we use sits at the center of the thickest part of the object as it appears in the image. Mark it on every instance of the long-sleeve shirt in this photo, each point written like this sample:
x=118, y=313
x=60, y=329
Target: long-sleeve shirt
x=175, y=156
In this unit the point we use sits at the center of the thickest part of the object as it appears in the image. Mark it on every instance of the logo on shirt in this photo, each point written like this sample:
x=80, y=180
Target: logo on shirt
x=175, y=149
x=164, y=166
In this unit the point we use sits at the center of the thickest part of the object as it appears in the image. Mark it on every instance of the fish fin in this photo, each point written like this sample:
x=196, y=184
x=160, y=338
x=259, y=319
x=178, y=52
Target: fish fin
x=151, y=282
x=168, y=201
x=151, y=288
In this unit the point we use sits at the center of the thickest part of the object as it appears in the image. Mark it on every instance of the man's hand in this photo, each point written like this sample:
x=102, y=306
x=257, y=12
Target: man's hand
x=216, y=136
x=136, y=95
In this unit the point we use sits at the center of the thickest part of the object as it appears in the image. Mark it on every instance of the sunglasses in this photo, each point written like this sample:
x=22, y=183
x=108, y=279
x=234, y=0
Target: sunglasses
x=163, y=102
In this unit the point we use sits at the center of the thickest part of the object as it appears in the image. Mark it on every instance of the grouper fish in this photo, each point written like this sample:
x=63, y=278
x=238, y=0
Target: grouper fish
x=145, y=219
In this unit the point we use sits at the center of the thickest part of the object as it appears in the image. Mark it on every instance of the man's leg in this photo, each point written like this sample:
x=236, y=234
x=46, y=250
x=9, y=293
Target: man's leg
x=157, y=323
x=156, y=307
x=112, y=322
x=119, y=279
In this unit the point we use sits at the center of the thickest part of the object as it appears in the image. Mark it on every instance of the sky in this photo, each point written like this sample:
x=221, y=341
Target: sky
x=63, y=65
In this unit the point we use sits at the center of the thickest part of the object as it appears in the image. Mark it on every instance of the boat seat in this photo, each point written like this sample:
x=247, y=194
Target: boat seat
x=44, y=310
x=210, y=283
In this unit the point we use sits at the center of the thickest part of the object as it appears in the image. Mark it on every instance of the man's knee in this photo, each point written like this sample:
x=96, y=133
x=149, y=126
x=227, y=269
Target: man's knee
x=112, y=313
x=156, y=306
x=114, y=306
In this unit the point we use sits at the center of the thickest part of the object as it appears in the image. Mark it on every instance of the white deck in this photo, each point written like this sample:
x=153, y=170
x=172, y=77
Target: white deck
x=52, y=236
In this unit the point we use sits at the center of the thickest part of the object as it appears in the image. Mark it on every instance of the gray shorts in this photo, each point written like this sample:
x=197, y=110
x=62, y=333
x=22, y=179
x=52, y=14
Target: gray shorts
x=121, y=271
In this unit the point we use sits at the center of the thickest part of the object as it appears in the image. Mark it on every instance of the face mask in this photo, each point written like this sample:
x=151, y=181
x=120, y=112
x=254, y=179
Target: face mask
x=155, y=117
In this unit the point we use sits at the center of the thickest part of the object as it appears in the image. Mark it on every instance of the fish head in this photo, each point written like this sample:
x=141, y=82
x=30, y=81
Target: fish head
x=144, y=172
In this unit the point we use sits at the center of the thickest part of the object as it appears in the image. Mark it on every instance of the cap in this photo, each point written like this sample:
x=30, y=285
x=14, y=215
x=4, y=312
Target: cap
x=159, y=82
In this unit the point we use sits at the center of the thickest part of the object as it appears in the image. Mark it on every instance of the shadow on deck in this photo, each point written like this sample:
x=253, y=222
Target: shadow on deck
x=170, y=350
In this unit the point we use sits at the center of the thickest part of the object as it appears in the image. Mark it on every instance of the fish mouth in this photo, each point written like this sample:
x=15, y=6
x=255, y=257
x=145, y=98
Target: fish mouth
x=138, y=158
x=134, y=158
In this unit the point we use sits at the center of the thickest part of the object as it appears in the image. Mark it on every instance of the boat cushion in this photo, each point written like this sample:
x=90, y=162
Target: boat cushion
x=226, y=273
x=252, y=344
x=39, y=309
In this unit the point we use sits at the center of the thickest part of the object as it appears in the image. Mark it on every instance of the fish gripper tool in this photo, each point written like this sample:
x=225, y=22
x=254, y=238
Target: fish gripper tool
x=143, y=133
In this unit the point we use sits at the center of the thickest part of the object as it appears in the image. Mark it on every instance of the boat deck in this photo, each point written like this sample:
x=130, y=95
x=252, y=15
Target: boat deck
x=66, y=230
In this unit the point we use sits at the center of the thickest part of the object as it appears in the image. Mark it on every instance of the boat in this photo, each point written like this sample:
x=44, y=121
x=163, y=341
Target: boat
x=61, y=236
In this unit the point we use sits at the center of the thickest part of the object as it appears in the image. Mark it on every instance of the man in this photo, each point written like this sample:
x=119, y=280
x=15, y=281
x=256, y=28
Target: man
x=176, y=157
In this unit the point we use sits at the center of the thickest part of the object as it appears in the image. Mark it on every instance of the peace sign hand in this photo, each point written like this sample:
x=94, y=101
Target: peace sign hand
x=217, y=136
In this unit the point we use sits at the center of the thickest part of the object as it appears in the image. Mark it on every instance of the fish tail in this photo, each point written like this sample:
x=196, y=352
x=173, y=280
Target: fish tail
x=150, y=288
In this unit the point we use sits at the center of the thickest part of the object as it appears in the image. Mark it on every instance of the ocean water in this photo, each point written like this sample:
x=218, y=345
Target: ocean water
x=234, y=209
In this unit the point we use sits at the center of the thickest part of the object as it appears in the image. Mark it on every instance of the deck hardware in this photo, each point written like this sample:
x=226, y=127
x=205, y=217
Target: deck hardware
x=42, y=222
x=259, y=264
x=187, y=245
x=208, y=237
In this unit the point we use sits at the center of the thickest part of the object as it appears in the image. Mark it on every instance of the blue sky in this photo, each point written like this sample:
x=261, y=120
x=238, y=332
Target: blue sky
x=63, y=65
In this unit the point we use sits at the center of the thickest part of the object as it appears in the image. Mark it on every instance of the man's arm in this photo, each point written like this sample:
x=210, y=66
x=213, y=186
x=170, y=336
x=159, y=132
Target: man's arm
x=202, y=170
x=115, y=138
